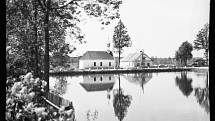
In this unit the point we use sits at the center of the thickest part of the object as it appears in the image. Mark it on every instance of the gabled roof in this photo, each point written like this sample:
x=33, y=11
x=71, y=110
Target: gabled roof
x=96, y=55
x=199, y=59
x=134, y=57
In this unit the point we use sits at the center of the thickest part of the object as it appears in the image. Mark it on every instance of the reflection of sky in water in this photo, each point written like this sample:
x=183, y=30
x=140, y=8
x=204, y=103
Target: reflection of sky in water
x=160, y=100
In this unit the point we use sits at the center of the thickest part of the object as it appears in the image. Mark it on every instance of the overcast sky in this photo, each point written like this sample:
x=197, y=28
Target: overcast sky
x=157, y=26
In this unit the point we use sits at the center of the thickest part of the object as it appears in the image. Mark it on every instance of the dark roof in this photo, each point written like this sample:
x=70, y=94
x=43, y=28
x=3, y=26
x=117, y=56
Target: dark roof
x=96, y=55
x=200, y=59
x=97, y=86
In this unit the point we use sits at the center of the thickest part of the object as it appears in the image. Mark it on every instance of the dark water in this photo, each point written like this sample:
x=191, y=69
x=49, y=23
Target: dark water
x=180, y=96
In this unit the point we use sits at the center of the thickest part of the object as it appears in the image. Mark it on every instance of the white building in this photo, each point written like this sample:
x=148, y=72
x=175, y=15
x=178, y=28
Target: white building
x=136, y=60
x=96, y=60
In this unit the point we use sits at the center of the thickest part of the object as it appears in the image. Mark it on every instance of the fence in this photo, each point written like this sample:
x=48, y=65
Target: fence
x=55, y=101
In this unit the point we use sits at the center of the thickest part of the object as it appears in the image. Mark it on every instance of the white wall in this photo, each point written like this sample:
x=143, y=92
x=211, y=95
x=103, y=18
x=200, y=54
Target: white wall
x=133, y=64
x=127, y=64
x=90, y=63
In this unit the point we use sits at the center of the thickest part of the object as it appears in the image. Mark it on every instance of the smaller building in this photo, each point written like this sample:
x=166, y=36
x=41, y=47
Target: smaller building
x=200, y=62
x=96, y=60
x=137, y=59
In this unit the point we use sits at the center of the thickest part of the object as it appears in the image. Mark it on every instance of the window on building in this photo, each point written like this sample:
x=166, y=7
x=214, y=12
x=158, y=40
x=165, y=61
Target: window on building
x=100, y=63
x=109, y=77
x=94, y=78
x=101, y=78
x=94, y=63
x=109, y=63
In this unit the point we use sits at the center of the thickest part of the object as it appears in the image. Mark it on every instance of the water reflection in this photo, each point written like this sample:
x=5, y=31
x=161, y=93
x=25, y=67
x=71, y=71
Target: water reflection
x=138, y=78
x=201, y=93
x=60, y=85
x=121, y=102
x=184, y=84
x=202, y=96
x=92, y=115
x=98, y=82
x=110, y=97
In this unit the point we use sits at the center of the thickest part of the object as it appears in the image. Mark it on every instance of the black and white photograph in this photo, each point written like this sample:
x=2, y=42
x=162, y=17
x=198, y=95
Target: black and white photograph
x=107, y=60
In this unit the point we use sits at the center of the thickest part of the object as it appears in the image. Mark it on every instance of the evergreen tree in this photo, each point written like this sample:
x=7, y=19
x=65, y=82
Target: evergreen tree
x=202, y=40
x=121, y=38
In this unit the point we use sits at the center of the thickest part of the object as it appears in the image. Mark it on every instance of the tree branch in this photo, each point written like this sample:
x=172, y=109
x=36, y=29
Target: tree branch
x=58, y=14
x=42, y=6
x=44, y=3
x=66, y=3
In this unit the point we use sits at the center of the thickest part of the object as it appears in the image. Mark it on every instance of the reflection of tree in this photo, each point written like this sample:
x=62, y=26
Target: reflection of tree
x=60, y=85
x=92, y=116
x=139, y=78
x=121, y=103
x=108, y=95
x=202, y=96
x=143, y=80
x=184, y=84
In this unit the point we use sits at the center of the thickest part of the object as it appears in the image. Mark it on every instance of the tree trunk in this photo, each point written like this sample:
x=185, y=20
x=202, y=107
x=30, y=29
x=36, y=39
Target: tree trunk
x=120, y=34
x=35, y=42
x=185, y=62
x=46, y=58
x=120, y=97
x=119, y=57
x=206, y=56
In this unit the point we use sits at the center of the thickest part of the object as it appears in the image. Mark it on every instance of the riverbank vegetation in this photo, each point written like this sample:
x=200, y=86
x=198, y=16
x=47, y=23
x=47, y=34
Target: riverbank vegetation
x=24, y=101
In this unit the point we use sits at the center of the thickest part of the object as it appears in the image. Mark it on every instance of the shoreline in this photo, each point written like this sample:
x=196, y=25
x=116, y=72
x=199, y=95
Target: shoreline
x=117, y=71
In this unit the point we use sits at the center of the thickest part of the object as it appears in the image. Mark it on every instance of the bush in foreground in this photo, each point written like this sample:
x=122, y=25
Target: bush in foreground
x=24, y=101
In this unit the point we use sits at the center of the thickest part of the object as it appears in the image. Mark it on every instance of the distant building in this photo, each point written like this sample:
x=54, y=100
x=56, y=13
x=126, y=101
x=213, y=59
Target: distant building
x=137, y=59
x=96, y=60
x=200, y=62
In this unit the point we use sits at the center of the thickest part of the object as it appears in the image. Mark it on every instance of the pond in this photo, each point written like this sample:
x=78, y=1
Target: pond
x=166, y=96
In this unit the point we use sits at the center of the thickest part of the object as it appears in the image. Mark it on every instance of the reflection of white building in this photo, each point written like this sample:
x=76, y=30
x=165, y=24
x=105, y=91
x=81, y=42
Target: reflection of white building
x=96, y=59
x=98, y=82
x=138, y=78
x=135, y=60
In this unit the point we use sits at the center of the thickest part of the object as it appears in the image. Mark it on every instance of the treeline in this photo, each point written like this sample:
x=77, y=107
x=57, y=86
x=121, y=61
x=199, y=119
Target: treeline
x=184, y=52
x=157, y=61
